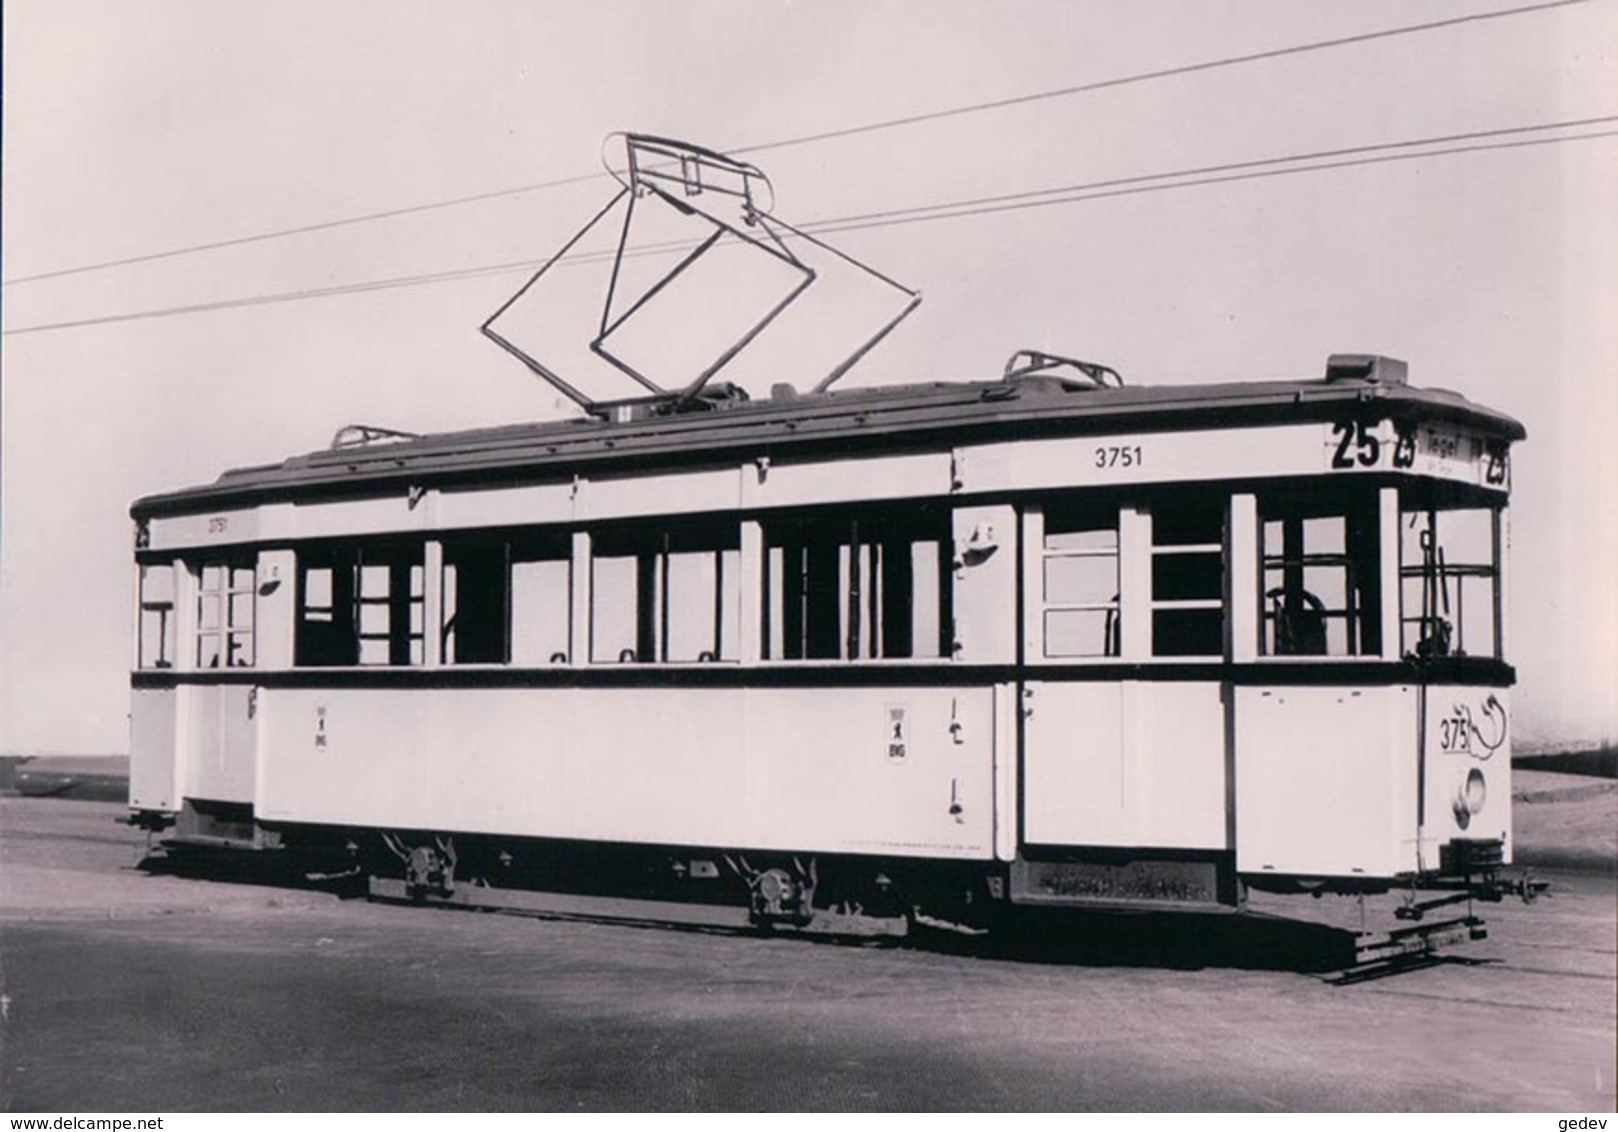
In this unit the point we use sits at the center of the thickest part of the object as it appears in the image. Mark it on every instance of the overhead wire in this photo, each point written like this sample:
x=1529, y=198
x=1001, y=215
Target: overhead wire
x=825, y=135
x=1254, y=175
x=1232, y=166
x=1227, y=173
x=299, y=230
x=1204, y=174
x=1160, y=73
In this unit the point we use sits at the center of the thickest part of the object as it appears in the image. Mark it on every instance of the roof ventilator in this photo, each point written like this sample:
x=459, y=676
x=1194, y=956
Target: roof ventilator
x=365, y=436
x=1025, y=365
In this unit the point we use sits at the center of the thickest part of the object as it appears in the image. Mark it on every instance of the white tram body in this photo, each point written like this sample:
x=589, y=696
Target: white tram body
x=1057, y=642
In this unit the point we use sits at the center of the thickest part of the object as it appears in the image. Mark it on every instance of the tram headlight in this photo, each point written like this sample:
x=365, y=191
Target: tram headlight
x=1469, y=799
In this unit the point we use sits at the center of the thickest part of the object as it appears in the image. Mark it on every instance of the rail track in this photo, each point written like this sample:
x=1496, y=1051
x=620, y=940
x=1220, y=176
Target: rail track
x=1236, y=1011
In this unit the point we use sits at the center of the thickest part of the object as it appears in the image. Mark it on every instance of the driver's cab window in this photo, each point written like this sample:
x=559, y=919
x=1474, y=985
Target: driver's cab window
x=1449, y=568
x=1322, y=593
x=156, y=640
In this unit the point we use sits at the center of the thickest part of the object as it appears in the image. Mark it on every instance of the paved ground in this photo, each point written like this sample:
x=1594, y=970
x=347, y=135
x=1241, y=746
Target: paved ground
x=126, y=991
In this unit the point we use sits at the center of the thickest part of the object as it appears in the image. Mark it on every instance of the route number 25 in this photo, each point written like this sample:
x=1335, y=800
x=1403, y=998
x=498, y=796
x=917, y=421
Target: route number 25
x=1355, y=445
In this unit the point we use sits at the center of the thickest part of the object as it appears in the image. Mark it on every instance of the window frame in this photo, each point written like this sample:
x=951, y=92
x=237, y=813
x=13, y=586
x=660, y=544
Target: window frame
x=866, y=592
x=1036, y=557
x=652, y=547
x=1360, y=507
x=1217, y=498
x=228, y=633
x=167, y=613
x=509, y=548
x=1433, y=501
x=346, y=632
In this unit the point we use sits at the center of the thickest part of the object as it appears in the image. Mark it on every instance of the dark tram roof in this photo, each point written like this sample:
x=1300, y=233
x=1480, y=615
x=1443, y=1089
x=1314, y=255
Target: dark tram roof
x=726, y=429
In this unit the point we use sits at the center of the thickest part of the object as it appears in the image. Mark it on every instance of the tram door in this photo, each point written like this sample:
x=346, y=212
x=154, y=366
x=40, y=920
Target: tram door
x=221, y=743
x=1111, y=762
x=1074, y=758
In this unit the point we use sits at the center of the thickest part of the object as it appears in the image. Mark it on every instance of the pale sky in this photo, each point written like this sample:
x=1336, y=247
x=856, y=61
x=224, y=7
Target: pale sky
x=133, y=129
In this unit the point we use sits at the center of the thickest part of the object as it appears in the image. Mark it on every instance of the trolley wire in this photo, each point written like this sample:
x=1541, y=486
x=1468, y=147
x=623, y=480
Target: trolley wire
x=1162, y=73
x=826, y=135
x=1154, y=182
x=1228, y=173
x=300, y=230
x=990, y=205
x=845, y=223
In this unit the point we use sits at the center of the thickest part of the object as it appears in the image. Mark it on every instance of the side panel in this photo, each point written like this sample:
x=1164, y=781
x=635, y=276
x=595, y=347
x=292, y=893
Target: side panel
x=222, y=743
x=866, y=770
x=152, y=753
x=347, y=518
x=905, y=771
x=275, y=608
x=1137, y=764
x=985, y=584
x=1073, y=765
x=1326, y=781
x=1466, y=769
x=508, y=506
x=625, y=496
x=843, y=481
x=1177, y=766
x=204, y=529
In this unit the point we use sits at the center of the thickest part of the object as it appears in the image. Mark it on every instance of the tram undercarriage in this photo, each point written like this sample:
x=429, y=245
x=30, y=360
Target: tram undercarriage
x=840, y=895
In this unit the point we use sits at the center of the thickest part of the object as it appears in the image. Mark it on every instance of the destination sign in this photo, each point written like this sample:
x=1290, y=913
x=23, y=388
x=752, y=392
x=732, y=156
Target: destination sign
x=1441, y=450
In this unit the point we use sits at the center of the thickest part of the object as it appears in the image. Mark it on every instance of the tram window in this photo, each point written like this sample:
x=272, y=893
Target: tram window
x=615, y=624
x=226, y=593
x=665, y=596
x=325, y=628
x=156, y=648
x=540, y=608
x=1081, y=616
x=505, y=600
x=857, y=588
x=1449, y=581
x=1322, y=587
x=361, y=606
x=1188, y=577
x=477, y=589
x=390, y=598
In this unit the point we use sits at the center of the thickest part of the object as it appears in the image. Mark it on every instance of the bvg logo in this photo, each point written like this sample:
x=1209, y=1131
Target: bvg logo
x=1461, y=732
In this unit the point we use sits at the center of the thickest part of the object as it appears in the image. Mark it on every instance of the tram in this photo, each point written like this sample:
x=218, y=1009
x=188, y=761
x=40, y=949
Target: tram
x=1039, y=639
